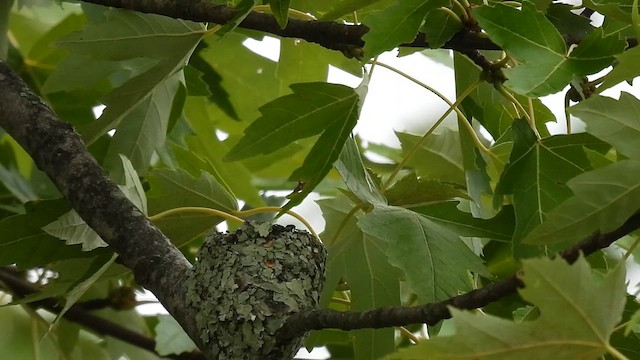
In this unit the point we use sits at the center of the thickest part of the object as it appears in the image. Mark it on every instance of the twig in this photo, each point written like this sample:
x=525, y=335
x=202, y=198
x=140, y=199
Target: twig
x=431, y=314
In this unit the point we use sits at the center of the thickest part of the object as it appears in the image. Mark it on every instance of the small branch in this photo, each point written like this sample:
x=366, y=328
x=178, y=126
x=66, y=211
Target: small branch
x=431, y=314
x=331, y=35
x=99, y=325
x=59, y=151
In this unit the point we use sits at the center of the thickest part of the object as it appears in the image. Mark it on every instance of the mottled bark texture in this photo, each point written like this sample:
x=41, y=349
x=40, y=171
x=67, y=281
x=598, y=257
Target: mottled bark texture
x=59, y=151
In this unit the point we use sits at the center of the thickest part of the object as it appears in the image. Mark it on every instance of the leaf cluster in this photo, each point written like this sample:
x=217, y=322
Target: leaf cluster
x=196, y=126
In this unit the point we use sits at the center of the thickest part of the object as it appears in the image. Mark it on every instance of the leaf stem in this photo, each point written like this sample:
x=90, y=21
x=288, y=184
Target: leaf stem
x=275, y=209
x=631, y=249
x=417, y=146
x=462, y=8
x=196, y=209
x=408, y=334
x=343, y=224
x=504, y=92
x=341, y=301
x=615, y=353
x=293, y=12
x=452, y=14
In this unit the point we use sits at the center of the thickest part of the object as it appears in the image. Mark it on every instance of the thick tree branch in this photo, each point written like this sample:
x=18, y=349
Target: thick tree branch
x=431, y=314
x=59, y=151
x=99, y=325
x=331, y=35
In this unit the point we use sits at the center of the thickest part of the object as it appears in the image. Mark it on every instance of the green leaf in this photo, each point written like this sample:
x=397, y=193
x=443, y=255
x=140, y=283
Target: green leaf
x=413, y=239
x=98, y=267
x=25, y=244
x=170, y=338
x=144, y=129
x=344, y=7
x=537, y=174
x=280, y=10
x=361, y=261
x=355, y=176
x=439, y=27
x=614, y=121
x=626, y=69
x=499, y=227
x=124, y=35
x=604, y=199
x=616, y=9
x=174, y=189
x=579, y=313
x=313, y=108
x=411, y=191
x=241, y=10
x=74, y=230
x=437, y=158
x=530, y=38
x=5, y=11
x=185, y=225
x=234, y=176
x=398, y=24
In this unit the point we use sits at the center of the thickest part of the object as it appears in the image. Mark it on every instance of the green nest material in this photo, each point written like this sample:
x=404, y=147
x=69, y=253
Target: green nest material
x=245, y=285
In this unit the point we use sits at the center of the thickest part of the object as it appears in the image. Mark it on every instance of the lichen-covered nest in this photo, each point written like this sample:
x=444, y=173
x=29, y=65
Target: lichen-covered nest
x=246, y=283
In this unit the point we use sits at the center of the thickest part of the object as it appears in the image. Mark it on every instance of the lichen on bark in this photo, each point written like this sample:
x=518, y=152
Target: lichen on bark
x=245, y=284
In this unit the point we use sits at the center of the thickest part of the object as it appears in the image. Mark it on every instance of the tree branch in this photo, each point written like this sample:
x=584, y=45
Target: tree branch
x=59, y=151
x=99, y=325
x=431, y=314
x=331, y=35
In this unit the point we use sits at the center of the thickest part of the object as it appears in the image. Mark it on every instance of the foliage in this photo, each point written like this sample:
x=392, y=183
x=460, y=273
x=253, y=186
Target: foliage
x=195, y=124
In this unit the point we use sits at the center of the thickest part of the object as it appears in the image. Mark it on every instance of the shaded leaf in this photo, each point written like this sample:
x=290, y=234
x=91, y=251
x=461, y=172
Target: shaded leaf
x=614, y=121
x=499, y=227
x=174, y=189
x=355, y=176
x=545, y=66
x=537, y=174
x=578, y=315
x=439, y=157
x=411, y=191
x=280, y=10
x=361, y=261
x=604, y=199
x=170, y=338
x=313, y=108
x=74, y=230
x=439, y=27
x=413, y=239
x=398, y=24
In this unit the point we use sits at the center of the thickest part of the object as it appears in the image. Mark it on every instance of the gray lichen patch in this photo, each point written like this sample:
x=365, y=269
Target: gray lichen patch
x=245, y=285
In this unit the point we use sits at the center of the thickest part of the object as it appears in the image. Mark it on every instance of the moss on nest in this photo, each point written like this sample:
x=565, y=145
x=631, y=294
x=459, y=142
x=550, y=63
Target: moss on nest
x=245, y=285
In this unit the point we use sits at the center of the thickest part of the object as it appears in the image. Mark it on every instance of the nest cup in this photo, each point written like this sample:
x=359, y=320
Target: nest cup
x=245, y=284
